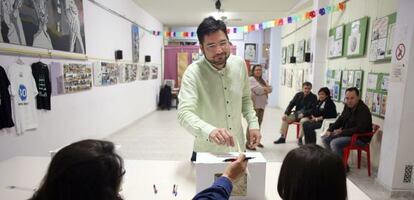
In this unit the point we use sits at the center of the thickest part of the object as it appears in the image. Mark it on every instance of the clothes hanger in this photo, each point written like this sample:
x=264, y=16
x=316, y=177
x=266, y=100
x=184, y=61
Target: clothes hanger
x=19, y=61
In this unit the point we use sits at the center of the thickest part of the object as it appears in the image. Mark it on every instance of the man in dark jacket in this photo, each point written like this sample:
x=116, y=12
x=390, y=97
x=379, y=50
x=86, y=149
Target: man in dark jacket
x=355, y=118
x=304, y=102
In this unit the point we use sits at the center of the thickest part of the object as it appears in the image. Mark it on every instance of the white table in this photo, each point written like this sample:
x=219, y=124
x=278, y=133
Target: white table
x=27, y=172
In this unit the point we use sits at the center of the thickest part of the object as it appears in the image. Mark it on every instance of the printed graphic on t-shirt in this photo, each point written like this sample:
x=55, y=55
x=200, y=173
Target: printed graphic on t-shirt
x=22, y=94
x=42, y=86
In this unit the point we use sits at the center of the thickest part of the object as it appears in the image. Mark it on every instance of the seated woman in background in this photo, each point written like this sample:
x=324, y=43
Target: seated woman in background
x=325, y=109
x=313, y=173
x=91, y=170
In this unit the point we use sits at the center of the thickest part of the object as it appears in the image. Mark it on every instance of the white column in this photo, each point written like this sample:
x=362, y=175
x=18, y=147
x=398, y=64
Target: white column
x=275, y=65
x=319, y=40
x=398, y=139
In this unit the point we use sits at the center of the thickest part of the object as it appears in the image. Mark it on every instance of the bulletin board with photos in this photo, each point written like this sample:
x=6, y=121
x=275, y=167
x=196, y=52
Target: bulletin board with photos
x=351, y=78
x=333, y=82
x=381, y=38
x=336, y=42
x=356, y=37
x=377, y=93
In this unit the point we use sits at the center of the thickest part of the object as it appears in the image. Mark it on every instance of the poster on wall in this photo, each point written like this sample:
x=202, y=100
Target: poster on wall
x=308, y=45
x=381, y=39
x=383, y=108
x=335, y=42
x=250, y=52
x=108, y=73
x=356, y=34
x=144, y=72
x=128, y=72
x=283, y=79
x=47, y=24
x=300, y=51
x=284, y=51
x=135, y=43
x=77, y=77
x=299, y=79
x=289, y=77
x=290, y=52
x=154, y=72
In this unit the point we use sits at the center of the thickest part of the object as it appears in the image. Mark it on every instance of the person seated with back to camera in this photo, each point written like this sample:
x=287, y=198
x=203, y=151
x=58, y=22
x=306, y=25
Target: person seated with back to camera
x=313, y=173
x=92, y=170
x=355, y=118
x=325, y=109
x=303, y=102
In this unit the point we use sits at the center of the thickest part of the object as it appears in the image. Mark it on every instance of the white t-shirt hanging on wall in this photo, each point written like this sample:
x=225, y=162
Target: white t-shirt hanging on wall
x=23, y=92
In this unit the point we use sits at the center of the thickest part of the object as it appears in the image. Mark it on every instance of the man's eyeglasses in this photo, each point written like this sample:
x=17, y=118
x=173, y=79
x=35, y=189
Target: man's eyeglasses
x=214, y=46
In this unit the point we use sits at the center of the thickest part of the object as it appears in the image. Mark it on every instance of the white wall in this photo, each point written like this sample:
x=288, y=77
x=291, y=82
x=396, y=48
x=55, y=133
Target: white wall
x=103, y=110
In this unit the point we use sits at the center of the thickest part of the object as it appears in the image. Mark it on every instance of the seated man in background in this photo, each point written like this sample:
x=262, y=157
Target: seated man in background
x=325, y=109
x=313, y=173
x=355, y=118
x=303, y=102
x=92, y=170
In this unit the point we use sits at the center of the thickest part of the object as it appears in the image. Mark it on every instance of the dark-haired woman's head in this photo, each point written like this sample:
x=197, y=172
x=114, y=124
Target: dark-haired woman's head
x=324, y=93
x=214, y=41
x=257, y=71
x=313, y=173
x=84, y=170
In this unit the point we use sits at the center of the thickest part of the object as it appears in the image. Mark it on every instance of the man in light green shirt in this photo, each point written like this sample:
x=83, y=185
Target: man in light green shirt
x=214, y=95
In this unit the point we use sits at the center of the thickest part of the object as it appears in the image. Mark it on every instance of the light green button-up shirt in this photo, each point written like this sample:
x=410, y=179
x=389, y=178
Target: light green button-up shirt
x=211, y=98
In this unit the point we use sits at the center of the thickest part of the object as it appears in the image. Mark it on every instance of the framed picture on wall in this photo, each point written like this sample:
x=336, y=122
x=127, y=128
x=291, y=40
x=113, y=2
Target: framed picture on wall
x=284, y=51
x=46, y=24
x=300, y=51
x=290, y=52
x=135, y=43
x=250, y=52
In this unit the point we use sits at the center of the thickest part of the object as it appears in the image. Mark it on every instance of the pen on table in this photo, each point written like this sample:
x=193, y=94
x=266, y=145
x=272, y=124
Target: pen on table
x=173, y=189
x=13, y=187
x=234, y=159
x=155, y=189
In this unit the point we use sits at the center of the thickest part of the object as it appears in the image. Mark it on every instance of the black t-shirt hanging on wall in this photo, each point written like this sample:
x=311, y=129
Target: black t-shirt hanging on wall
x=6, y=120
x=41, y=75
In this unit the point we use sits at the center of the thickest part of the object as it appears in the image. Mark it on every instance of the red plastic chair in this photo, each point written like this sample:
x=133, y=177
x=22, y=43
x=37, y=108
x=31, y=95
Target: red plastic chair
x=297, y=129
x=354, y=146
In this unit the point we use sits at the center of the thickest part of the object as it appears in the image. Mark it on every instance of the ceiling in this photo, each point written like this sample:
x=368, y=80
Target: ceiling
x=239, y=12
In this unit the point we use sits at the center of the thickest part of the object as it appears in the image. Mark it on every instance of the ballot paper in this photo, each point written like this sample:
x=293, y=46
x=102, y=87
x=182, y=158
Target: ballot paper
x=249, y=186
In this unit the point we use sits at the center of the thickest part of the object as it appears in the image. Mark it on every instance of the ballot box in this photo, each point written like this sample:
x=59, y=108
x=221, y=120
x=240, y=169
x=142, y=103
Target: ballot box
x=251, y=185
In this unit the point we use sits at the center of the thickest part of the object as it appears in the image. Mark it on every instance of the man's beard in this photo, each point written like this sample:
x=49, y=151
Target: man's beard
x=223, y=61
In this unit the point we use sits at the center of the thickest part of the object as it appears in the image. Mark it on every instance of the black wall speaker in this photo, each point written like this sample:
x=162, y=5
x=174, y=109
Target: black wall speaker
x=118, y=55
x=147, y=58
x=292, y=59
x=307, y=57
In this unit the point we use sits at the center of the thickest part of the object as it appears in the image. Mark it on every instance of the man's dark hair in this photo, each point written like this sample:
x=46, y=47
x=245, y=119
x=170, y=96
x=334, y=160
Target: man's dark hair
x=306, y=84
x=208, y=26
x=353, y=89
x=84, y=170
x=312, y=172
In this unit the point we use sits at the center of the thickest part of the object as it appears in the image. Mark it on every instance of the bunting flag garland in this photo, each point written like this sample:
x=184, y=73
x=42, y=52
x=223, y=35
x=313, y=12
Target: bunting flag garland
x=340, y=7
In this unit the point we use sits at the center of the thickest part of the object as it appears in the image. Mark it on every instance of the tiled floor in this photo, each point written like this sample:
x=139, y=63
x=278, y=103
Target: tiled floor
x=160, y=137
